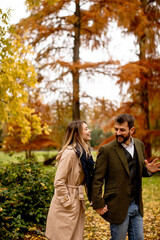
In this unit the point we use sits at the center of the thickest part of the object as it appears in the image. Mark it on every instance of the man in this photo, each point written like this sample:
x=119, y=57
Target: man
x=120, y=167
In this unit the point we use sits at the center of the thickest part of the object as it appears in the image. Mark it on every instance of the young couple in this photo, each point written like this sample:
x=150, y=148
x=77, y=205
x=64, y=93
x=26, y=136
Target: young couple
x=119, y=167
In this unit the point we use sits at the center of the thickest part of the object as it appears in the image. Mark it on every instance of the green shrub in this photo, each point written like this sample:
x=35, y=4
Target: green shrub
x=25, y=195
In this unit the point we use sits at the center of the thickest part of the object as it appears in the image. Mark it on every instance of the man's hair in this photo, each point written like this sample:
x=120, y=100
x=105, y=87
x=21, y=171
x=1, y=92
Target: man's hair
x=125, y=117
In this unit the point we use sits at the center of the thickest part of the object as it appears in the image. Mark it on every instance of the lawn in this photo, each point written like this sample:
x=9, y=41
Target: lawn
x=40, y=156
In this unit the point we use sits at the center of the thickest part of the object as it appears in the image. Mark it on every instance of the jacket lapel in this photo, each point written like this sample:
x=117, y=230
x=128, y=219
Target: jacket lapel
x=139, y=153
x=122, y=157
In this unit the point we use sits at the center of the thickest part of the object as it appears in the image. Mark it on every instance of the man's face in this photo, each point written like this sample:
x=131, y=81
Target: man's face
x=123, y=133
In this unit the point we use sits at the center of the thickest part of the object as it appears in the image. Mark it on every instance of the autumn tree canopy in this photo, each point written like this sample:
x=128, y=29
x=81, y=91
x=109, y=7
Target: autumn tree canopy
x=17, y=79
x=37, y=141
x=143, y=75
x=59, y=30
x=140, y=18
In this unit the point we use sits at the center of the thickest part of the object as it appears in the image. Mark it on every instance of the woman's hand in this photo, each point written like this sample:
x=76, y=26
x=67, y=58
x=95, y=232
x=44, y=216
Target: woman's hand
x=102, y=211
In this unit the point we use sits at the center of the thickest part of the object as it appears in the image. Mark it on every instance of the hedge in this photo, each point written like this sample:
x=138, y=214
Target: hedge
x=25, y=195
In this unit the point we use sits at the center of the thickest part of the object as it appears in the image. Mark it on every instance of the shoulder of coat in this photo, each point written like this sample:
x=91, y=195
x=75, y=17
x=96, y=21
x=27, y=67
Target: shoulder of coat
x=137, y=141
x=110, y=144
x=70, y=147
x=70, y=150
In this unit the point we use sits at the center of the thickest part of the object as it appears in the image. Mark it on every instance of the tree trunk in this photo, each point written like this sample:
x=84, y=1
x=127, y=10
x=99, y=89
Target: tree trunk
x=75, y=72
x=145, y=104
x=28, y=154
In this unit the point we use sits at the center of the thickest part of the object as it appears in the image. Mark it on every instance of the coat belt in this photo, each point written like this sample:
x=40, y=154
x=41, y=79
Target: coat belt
x=80, y=190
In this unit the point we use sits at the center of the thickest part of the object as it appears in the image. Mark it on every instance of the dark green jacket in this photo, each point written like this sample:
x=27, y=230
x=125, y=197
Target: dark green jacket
x=112, y=169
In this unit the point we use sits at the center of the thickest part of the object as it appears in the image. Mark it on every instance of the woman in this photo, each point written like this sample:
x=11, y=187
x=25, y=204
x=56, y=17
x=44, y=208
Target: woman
x=65, y=219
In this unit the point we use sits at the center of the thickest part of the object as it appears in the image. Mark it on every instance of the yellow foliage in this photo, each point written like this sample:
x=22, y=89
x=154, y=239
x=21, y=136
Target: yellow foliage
x=17, y=79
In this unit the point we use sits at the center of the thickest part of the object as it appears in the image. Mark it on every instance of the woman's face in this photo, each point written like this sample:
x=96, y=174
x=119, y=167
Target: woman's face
x=86, y=132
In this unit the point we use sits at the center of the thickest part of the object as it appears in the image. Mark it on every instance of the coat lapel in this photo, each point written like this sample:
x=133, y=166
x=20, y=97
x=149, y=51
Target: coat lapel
x=139, y=153
x=122, y=157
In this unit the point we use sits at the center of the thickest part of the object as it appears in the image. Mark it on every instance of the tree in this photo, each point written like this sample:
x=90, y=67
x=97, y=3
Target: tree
x=143, y=75
x=37, y=141
x=140, y=18
x=87, y=27
x=59, y=32
x=17, y=79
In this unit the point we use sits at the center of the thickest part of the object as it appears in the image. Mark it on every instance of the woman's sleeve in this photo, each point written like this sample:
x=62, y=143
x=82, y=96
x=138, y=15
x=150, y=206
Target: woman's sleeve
x=61, y=177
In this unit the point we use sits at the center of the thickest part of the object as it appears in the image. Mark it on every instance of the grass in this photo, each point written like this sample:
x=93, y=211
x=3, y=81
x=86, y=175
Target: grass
x=40, y=156
x=7, y=158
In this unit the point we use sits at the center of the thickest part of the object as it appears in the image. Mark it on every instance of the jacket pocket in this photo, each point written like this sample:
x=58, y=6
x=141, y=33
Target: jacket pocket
x=110, y=192
x=65, y=201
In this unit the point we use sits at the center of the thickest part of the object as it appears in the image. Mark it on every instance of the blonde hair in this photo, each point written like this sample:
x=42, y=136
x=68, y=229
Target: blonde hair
x=73, y=136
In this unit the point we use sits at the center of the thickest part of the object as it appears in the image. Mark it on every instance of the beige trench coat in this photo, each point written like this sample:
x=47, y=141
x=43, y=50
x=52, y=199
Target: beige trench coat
x=65, y=220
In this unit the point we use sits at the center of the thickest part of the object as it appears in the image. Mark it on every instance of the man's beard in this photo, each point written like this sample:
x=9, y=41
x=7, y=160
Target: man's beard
x=124, y=138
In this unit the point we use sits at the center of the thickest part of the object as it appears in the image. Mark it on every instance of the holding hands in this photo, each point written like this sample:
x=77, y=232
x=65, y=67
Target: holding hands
x=102, y=211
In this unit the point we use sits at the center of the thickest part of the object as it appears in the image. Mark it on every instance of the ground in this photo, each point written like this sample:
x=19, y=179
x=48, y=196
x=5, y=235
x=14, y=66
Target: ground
x=96, y=228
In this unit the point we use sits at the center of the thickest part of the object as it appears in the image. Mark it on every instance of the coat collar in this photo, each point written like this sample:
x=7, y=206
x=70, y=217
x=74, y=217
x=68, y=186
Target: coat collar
x=119, y=150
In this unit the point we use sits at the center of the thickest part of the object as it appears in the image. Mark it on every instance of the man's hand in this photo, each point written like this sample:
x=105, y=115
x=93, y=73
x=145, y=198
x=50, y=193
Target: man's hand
x=102, y=211
x=154, y=166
